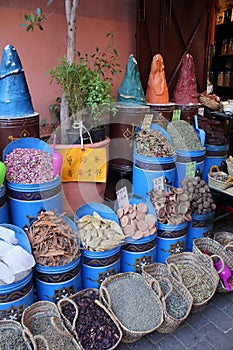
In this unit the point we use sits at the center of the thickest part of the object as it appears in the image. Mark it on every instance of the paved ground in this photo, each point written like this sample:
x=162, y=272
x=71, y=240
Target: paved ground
x=211, y=329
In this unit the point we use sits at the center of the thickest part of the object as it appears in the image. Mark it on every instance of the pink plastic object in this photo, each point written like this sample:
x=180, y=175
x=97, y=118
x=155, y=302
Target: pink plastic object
x=57, y=159
x=225, y=275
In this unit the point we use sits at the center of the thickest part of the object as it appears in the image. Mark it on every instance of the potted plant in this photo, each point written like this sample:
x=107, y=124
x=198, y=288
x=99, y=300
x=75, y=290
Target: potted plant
x=87, y=85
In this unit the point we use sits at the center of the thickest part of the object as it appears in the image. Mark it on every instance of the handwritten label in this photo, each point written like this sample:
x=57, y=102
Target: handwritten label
x=122, y=197
x=176, y=115
x=158, y=183
x=201, y=111
x=84, y=165
x=146, y=123
x=191, y=169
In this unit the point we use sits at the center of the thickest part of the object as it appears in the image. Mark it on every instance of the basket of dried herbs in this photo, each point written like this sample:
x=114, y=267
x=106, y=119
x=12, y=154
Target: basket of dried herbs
x=209, y=247
x=92, y=325
x=198, y=275
x=134, y=303
x=176, y=299
x=43, y=323
x=12, y=336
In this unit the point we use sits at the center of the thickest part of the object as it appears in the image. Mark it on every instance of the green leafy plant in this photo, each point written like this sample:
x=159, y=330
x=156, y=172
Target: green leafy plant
x=87, y=83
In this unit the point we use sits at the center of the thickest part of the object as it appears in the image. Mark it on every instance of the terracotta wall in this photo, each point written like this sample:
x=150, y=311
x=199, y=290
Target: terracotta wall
x=39, y=50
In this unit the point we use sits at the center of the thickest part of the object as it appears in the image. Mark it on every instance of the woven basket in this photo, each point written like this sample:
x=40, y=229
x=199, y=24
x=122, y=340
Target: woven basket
x=176, y=290
x=224, y=238
x=74, y=318
x=229, y=166
x=217, y=184
x=210, y=247
x=208, y=102
x=135, y=304
x=42, y=322
x=12, y=336
x=198, y=275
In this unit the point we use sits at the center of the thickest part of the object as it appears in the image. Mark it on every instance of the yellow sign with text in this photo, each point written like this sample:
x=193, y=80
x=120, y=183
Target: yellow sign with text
x=84, y=165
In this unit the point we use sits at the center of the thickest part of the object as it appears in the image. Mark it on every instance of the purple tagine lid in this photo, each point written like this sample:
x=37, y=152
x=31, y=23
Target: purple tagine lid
x=15, y=99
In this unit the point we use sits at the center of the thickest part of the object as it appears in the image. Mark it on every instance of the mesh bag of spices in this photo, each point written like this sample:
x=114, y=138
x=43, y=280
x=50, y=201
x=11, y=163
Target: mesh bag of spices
x=93, y=326
x=176, y=299
x=219, y=180
x=198, y=275
x=12, y=336
x=42, y=322
x=209, y=247
x=134, y=303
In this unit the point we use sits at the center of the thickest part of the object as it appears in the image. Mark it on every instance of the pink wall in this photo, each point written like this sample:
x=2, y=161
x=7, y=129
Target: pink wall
x=39, y=50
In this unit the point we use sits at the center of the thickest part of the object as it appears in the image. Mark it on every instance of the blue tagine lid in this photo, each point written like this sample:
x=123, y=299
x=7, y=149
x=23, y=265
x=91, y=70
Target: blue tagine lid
x=15, y=99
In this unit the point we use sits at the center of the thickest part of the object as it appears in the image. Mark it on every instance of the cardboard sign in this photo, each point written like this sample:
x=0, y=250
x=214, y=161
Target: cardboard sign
x=84, y=165
x=158, y=183
x=146, y=123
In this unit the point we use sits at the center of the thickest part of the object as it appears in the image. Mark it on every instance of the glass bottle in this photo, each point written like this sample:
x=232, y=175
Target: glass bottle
x=220, y=78
x=227, y=77
x=224, y=50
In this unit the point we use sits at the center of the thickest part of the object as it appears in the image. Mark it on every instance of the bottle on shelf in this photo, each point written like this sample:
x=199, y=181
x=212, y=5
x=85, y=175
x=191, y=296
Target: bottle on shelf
x=227, y=78
x=224, y=50
x=220, y=78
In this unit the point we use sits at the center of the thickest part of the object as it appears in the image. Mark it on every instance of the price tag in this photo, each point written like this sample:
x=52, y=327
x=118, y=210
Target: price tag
x=122, y=197
x=146, y=123
x=158, y=183
x=201, y=111
x=191, y=169
x=176, y=115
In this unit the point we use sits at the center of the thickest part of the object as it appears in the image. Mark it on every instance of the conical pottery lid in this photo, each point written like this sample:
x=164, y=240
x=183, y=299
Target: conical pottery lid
x=15, y=99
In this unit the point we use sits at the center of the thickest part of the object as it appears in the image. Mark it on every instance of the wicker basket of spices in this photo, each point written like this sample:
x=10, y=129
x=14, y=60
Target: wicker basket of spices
x=43, y=323
x=209, y=101
x=176, y=299
x=218, y=179
x=225, y=238
x=12, y=336
x=92, y=325
x=209, y=247
x=134, y=303
x=198, y=275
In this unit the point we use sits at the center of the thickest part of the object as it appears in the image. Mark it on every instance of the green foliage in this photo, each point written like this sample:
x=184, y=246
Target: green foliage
x=87, y=83
x=33, y=20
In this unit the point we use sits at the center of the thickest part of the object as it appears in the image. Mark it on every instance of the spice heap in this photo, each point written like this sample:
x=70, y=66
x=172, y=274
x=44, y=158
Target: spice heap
x=215, y=131
x=184, y=136
x=135, y=305
x=173, y=206
x=11, y=336
x=29, y=166
x=201, y=199
x=94, y=328
x=152, y=143
x=98, y=234
x=53, y=241
x=135, y=221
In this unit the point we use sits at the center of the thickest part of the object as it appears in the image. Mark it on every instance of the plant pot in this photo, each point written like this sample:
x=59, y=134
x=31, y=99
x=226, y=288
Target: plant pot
x=75, y=194
x=74, y=137
x=98, y=134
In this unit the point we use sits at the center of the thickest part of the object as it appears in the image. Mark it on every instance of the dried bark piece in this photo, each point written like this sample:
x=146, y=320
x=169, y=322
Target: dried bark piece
x=138, y=235
x=142, y=225
x=142, y=208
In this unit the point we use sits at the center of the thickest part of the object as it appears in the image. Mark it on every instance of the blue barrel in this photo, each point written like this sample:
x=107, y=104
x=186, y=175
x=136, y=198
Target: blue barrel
x=187, y=156
x=214, y=156
x=169, y=246
x=56, y=282
x=200, y=226
x=4, y=210
x=172, y=231
x=26, y=200
x=137, y=253
x=15, y=297
x=96, y=266
x=146, y=169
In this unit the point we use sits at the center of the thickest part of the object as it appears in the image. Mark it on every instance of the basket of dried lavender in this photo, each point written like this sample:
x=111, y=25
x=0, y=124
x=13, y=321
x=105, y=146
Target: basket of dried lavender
x=12, y=336
x=43, y=323
x=92, y=325
x=209, y=247
x=176, y=299
x=198, y=275
x=134, y=303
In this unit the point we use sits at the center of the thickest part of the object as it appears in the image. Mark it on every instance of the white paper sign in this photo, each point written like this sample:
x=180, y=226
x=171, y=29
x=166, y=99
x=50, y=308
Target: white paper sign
x=122, y=197
x=158, y=183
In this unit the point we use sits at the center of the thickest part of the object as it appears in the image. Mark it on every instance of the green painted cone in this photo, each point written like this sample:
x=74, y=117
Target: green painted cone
x=2, y=172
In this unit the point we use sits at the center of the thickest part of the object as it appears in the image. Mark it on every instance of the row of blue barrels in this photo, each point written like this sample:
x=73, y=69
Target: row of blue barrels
x=174, y=169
